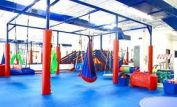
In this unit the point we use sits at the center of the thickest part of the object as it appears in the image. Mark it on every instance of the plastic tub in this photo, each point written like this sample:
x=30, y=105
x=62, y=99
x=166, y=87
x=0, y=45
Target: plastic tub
x=169, y=88
x=123, y=81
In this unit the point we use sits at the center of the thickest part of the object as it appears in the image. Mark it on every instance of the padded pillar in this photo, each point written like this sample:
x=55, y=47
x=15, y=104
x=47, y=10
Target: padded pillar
x=7, y=60
x=58, y=59
x=127, y=56
x=46, y=62
x=150, y=59
x=31, y=57
x=115, y=61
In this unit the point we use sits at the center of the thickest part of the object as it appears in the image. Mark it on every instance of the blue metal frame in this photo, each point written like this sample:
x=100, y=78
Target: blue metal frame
x=24, y=10
x=15, y=7
x=52, y=30
x=93, y=11
x=107, y=11
x=80, y=30
x=138, y=28
x=132, y=2
x=11, y=28
x=54, y=2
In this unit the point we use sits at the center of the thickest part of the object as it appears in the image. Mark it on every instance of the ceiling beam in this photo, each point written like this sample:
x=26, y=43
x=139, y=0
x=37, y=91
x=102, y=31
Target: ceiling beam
x=17, y=8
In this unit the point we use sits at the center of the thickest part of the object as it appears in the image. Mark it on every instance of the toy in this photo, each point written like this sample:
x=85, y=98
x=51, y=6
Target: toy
x=144, y=80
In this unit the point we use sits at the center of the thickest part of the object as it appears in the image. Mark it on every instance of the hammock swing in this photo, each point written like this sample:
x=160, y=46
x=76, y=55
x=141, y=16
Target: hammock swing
x=88, y=72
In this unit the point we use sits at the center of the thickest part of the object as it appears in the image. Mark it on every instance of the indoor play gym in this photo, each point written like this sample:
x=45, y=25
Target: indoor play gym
x=88, y=53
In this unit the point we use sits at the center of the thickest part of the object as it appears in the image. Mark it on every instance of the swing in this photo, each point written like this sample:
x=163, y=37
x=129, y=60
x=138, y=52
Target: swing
x=108, y=71
x=79, y=64
x=88, y=72
x=26, y=70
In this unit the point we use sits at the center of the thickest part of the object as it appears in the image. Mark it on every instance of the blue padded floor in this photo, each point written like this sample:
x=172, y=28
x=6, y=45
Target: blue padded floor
x=68, y=90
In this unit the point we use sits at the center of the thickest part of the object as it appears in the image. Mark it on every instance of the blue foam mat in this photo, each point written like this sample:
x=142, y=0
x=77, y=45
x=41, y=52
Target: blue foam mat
x=69, y=90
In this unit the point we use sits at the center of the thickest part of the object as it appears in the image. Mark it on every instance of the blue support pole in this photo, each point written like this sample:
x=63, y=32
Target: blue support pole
x=24, y=10
x=7, y=31
x=150, y=33
x=48, y=14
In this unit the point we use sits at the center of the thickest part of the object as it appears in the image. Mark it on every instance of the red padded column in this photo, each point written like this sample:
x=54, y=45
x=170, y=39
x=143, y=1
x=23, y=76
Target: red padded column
x=127, y=56
x=31, y=57
x=46, y=62
x=150, y=59
x=7, y=60
x=58, y=59
x=115, y=61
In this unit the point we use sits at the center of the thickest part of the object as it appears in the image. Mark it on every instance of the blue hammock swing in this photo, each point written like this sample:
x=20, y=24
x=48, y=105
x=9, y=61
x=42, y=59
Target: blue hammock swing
x=88, y=72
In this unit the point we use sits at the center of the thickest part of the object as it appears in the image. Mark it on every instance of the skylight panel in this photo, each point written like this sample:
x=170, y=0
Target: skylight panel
x=172, y=3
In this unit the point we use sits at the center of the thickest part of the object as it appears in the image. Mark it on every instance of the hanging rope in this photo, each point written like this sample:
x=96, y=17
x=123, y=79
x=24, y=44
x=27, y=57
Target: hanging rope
x=27, y=36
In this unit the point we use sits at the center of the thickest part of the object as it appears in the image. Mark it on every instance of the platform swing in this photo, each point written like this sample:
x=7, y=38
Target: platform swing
x=24, y=70
x=108, y=70
x=79, y=58
x=16, y=58
x=88, y=72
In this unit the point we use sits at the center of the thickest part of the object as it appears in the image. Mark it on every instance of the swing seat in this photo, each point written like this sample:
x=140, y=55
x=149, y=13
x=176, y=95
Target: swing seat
x=108, y=75
x=23, y=71
x=78, y=66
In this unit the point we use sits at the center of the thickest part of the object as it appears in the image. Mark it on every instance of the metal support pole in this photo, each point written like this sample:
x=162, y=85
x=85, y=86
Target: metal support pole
x=48, y=14
x=101, y=42
x=150, y=33
x=117, y=21
x=57, y=38
x=7, y=33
